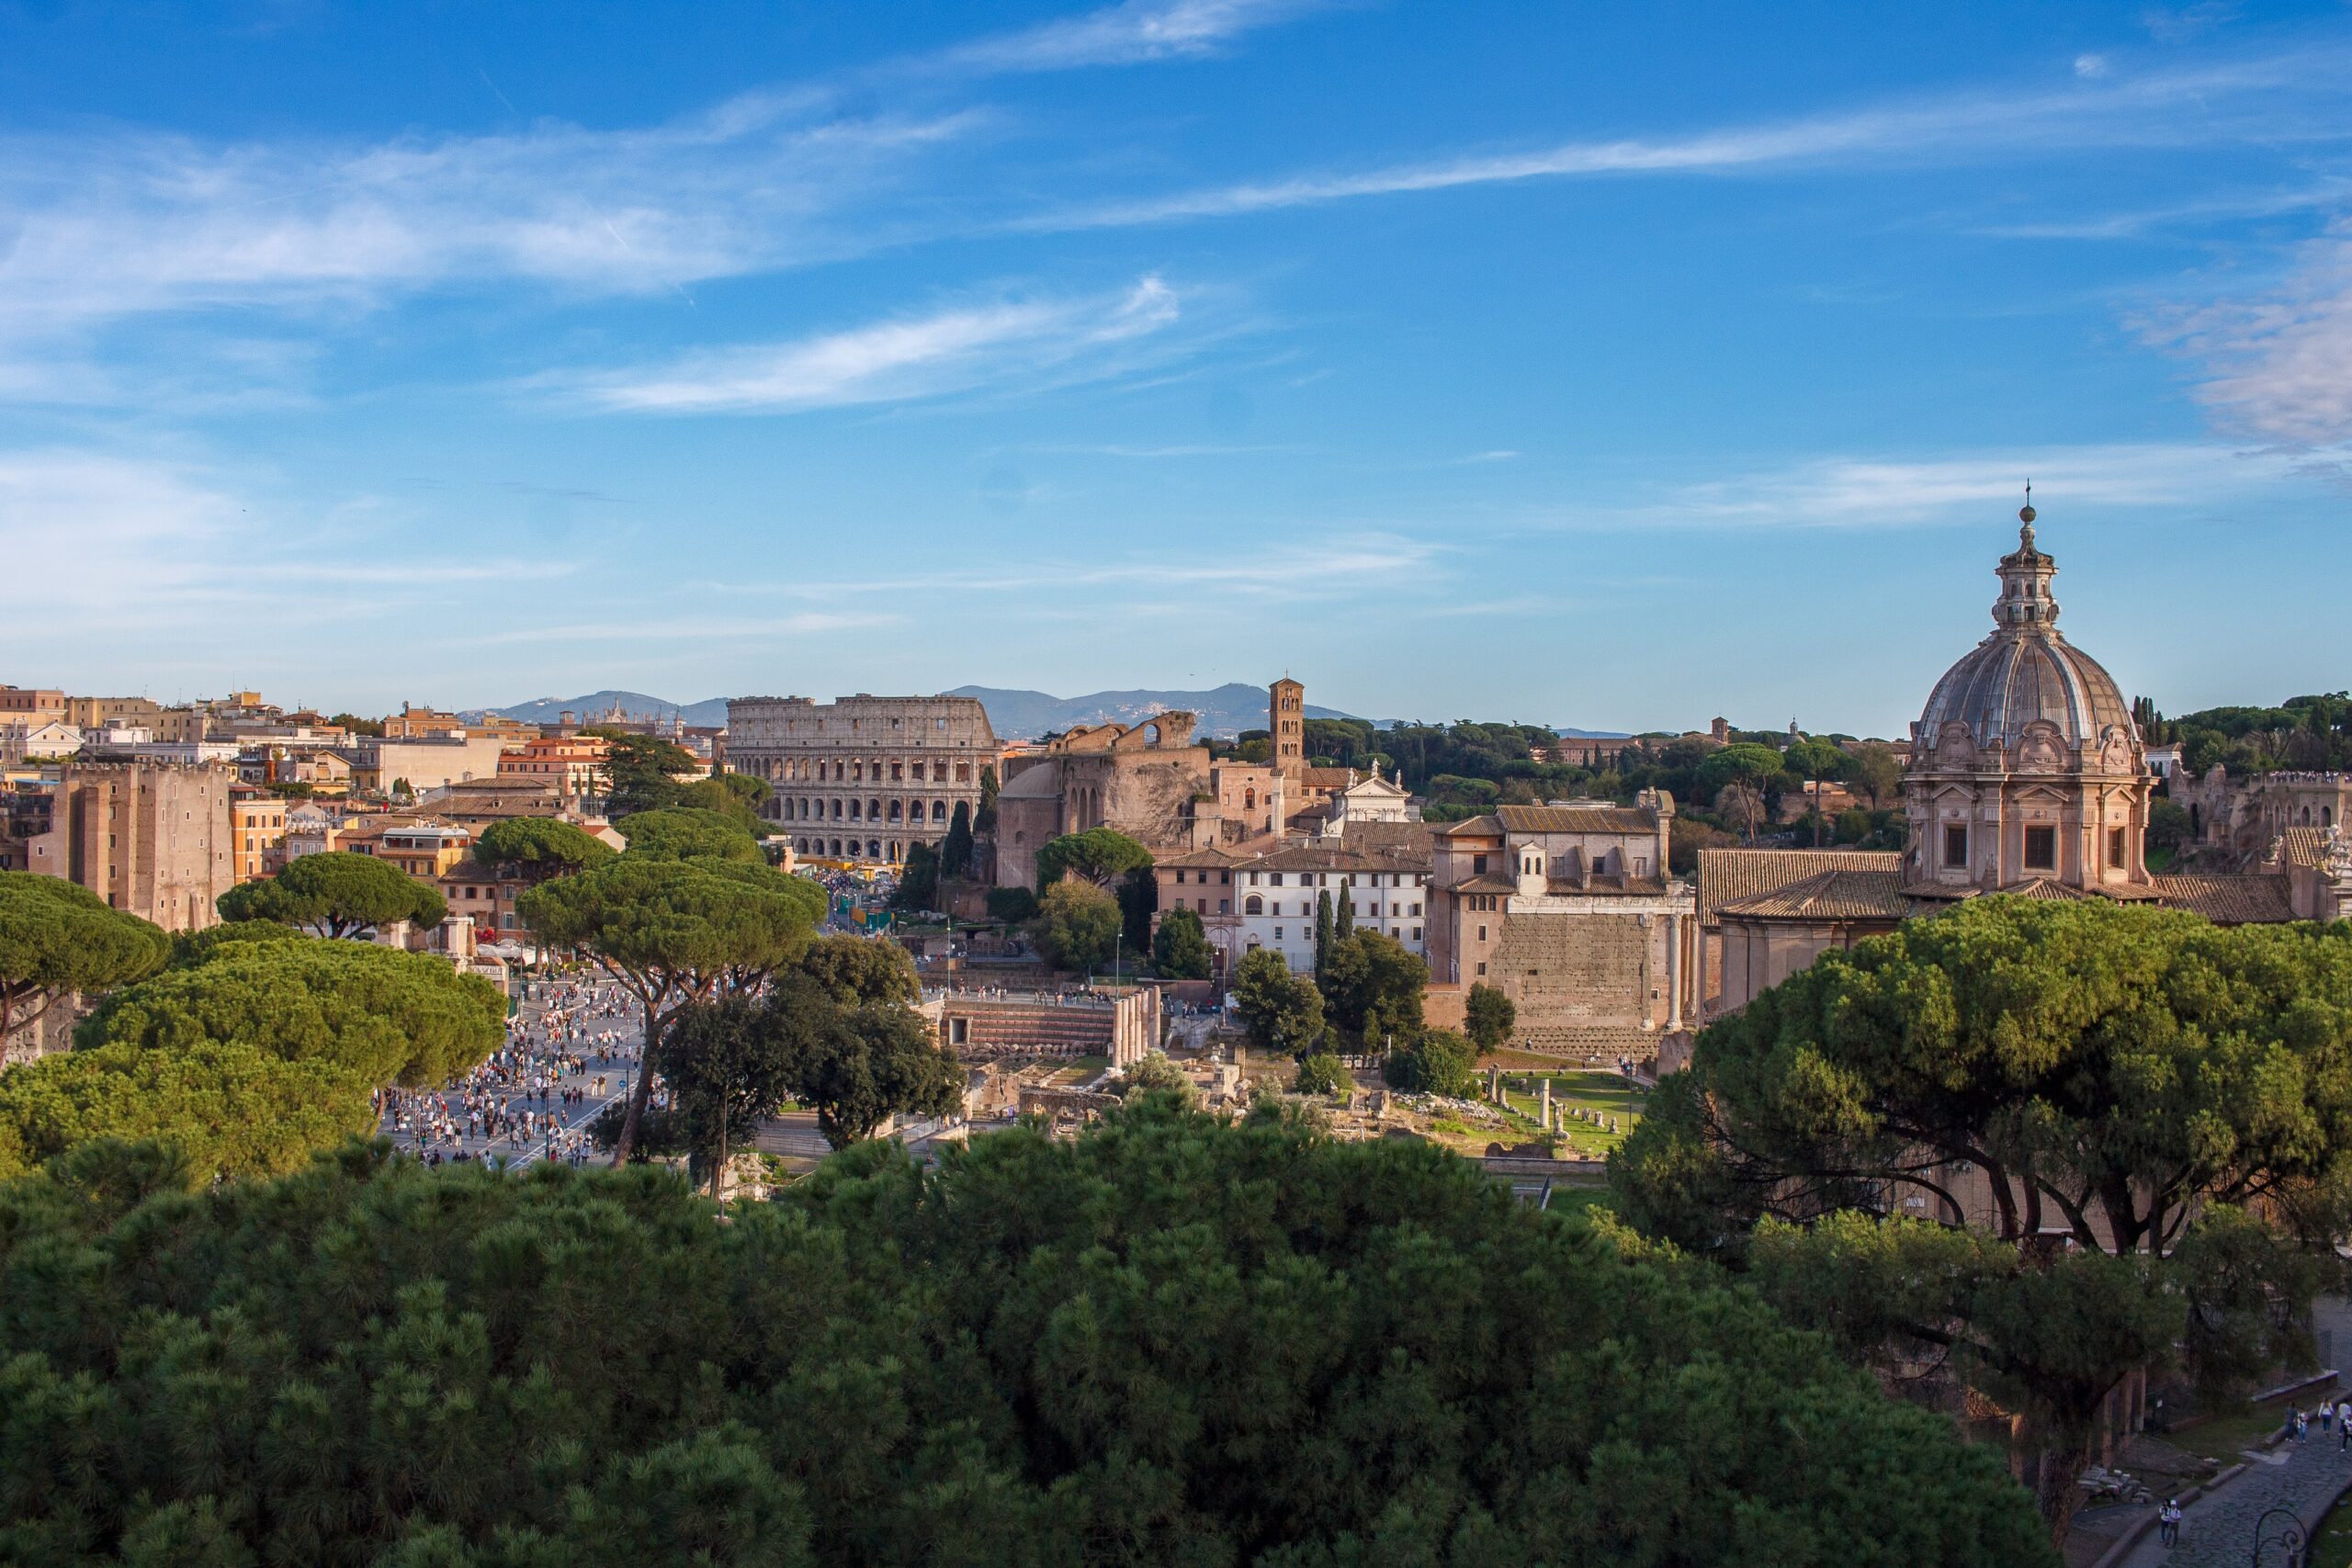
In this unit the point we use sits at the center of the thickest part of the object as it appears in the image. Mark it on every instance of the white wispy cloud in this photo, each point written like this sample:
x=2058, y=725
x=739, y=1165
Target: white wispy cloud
x=962, y=348
x=1878, y=493
x=133, y=221
x=2279, y=364
x=1136, y=32
x=2290, y=97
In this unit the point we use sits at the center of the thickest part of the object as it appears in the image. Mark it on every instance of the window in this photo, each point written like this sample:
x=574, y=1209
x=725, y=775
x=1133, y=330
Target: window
x=1253, y=905
x=1482, y=936
x=1278, y=933
x=1481, y=969
x=1416, y=911
x=1225, y=906
x=1417, y=933
x=2041, y=848
x=2115, y=848
x=1477, y=865
x=1955, y=843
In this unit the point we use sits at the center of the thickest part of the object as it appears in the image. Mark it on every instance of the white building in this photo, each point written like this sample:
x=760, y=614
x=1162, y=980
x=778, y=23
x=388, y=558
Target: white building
x=1269, y=900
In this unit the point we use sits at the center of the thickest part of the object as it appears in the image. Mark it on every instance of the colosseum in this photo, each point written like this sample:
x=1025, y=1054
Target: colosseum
x=861, y=778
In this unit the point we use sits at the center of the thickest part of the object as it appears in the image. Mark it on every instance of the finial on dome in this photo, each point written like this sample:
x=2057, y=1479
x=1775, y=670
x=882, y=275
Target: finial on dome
x=2025, y=517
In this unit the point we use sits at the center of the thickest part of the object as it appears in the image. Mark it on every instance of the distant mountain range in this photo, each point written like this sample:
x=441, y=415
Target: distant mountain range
x=1224, y=712
x=547, y=710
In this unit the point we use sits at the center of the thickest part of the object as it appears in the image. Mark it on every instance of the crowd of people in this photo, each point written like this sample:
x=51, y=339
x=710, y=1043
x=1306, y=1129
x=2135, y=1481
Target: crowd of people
x=570, y=1050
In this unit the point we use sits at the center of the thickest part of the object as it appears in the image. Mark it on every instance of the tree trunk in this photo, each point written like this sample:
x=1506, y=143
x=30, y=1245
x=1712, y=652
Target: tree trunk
x=2055, y=1490
x=640, y=1092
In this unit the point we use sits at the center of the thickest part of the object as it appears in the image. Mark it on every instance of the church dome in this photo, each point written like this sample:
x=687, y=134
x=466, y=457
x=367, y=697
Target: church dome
x=2025, y=690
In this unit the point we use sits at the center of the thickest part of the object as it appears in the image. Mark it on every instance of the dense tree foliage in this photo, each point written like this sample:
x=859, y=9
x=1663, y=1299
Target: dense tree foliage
x=918, y=886
x=1179, y=948
x=1103, y=856
x=642, y=770
x=192, y=948
x=856, y=1062
x=1488, y=1017
x=385, y=1015
x=1157, y=1075
x=540, y=847
x=1434, y=1061
x=984, y=819
x=1373, y=988
x=674, y=931
x=2113, y=1073
x=999, y=1362
x=688, y=833
x=226, y=1109
x=58, y=938
x=1284, y=1011
x=955, y=848
x=855, y=969
x=2309, y=732
x=1078, y=927
x=336, y=894
x=1322, y=1074
x=727, y=1073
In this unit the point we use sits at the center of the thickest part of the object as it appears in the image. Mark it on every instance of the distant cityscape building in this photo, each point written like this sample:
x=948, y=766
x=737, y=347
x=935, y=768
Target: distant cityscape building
x=150, y=838
x=861, y=778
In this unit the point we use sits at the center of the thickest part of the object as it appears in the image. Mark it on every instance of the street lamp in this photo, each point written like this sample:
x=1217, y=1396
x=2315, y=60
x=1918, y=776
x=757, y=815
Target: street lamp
x=2289, y=1535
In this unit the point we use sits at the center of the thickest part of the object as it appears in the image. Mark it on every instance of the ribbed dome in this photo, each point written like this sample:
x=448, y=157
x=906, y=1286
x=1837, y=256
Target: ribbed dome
x=2016, y=677
x=2027, y=679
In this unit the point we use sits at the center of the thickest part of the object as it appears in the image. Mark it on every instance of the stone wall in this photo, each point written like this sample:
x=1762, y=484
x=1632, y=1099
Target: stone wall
x=1566, y=970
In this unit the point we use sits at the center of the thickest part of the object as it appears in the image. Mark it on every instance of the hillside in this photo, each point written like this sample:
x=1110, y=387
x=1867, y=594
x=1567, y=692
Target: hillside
x=547, y=710
x=1225, y=711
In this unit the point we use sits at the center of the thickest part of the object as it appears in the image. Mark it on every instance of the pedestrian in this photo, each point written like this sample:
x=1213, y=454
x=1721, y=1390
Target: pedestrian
x=2326, y=1416
x=2168, y=1522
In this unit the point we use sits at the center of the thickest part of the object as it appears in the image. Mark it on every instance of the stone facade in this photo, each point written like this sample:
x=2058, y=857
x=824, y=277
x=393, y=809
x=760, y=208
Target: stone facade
x=1568, y=911
x=2026, y=767
x=861, y=778
x=151, y=840
x=1141, y=780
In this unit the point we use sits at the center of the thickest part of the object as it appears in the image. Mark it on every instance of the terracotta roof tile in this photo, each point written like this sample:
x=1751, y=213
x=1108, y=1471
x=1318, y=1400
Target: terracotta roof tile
x=2227, y=900
x=1829, y=895
x=1729, y=877
x=1597, y=818
x=2305, y=846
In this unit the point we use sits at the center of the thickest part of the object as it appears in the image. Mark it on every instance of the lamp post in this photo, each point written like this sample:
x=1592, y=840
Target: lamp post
x=2288, y=1535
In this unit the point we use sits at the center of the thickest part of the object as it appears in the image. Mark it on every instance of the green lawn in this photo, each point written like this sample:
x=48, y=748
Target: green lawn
x=2223, y=1437
x=1081, y=1069
x=1602, y=1092
x=2332, y=1542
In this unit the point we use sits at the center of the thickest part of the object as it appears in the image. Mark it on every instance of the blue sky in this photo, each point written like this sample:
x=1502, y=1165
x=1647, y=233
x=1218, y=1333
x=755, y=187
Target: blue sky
x=1614, y=366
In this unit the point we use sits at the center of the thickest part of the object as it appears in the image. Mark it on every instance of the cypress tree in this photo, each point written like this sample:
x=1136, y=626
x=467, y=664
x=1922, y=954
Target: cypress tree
x=1322, y=930
x=1345, y=926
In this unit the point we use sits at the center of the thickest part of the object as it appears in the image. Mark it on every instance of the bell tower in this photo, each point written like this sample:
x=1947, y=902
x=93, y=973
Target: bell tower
x=1286, y=726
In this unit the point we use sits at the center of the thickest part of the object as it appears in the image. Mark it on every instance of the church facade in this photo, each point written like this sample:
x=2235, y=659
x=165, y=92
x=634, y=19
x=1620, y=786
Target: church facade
x=2026, y=777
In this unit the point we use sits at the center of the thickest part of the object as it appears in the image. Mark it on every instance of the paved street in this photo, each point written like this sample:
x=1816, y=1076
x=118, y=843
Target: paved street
x=2304, y=1477
x=571, y=1049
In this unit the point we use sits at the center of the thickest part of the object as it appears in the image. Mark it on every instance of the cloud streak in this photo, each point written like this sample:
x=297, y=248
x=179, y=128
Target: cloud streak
x=2280, y=365
x=963, y=348
x=2285, y=98
x=1138, y=32
x=1881, y=492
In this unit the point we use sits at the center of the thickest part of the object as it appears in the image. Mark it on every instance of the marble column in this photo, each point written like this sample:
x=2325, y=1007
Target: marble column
x=1673, y=973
